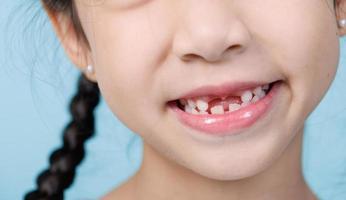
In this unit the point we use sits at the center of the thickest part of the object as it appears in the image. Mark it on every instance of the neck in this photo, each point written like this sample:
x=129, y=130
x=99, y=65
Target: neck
x=159, y=178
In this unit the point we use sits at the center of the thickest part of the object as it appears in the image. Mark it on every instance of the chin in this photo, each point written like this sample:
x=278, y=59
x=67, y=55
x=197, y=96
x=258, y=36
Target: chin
x=230, y=173
x=235, y=165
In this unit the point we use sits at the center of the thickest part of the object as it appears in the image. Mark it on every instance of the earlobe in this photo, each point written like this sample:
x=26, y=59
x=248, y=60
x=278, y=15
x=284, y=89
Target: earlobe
x=340, y=8
x=90, y=73
x=342, y=23
x=342, y=27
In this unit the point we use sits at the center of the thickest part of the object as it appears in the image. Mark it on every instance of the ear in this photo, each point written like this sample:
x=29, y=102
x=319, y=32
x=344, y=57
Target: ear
x=341, y=14
x=74, y=46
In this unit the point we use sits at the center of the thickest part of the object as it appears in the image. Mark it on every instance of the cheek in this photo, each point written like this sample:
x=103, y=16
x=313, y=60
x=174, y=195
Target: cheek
x=304, y=45
x=131, y=98
x=126, y=62
x=128, y=51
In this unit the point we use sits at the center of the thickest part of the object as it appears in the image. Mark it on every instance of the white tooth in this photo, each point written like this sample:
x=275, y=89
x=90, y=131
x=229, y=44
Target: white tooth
x=233, y=107
x=261, y=94
x=255, y=99
x=183, y=102
x=203, y=112
x=266, y=87
x=257, y=91
x=188, y=109
x=217, y=110
x=245, y=104
x=191, y=103
x=246, y=96
x=202, y=105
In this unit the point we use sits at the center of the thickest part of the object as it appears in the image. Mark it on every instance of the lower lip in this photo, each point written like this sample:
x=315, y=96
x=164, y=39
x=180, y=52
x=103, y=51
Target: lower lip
x=228, y=123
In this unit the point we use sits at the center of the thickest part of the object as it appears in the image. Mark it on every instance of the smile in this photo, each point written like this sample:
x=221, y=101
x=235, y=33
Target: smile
x=224, y=110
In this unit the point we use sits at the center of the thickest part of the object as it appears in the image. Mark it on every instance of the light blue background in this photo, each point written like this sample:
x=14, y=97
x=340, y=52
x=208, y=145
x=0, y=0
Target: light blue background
x=37, y=82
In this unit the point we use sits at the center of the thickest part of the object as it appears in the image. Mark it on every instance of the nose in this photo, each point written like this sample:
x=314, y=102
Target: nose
x=208, y=30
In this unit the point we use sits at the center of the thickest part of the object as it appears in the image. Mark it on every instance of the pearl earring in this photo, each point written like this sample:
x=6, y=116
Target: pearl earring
x=342, y=23
x=89, y=69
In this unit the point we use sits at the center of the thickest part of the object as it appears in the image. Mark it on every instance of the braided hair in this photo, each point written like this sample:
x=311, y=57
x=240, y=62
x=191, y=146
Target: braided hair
x=52, y=182
x=63, y=162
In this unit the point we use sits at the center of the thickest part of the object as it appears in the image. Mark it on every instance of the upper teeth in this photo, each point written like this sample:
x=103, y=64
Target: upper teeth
x=217, y=110
x=259, y=92
x=233, y=107
x=200, y=105
x=191, y=103
x=246, y=96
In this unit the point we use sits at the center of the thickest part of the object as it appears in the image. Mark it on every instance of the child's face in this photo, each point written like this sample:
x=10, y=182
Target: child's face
x=149, y=52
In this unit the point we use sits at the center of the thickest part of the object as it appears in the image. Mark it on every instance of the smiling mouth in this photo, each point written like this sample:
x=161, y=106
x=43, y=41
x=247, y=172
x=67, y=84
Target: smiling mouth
x=235, y=108
x=218, y=105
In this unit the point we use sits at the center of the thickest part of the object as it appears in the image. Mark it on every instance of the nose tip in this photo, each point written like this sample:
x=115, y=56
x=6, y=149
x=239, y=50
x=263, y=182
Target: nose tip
x=211, y=47
x=209, y=56
x=209, y=33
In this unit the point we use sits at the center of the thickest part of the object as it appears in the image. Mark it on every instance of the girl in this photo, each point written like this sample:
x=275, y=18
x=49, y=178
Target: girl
x=218, y=90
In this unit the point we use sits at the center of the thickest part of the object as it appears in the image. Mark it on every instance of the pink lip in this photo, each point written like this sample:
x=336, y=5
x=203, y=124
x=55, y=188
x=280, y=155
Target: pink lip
x=228, y=123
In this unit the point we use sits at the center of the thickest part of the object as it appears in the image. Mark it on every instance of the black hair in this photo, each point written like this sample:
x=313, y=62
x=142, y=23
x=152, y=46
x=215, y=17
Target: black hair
x=52, y=182
x=64, y=160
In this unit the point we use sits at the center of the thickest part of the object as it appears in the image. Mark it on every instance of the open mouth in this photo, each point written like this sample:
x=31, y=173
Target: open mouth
x=216, y=105
x=225, y=111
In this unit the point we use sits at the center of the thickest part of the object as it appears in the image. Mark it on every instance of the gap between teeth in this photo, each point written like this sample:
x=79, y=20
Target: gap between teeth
x=200, y=106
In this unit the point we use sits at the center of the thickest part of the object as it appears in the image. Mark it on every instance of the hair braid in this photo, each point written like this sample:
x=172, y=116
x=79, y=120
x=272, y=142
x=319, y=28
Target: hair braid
x=52, y=182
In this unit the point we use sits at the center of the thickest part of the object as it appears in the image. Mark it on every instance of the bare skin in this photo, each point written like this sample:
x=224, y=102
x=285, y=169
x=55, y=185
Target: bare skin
x=145, y=52
x=162, y=179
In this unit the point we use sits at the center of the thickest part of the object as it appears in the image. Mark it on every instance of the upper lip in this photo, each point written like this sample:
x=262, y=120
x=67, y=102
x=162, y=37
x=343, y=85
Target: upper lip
x=224, y=89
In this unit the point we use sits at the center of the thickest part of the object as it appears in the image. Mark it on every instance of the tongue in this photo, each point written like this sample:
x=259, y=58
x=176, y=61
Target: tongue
x=225, y=103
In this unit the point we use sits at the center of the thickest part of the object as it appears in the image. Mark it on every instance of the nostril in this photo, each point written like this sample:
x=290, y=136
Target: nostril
x=234, y=47
x=191, y=56
x=212, y=57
